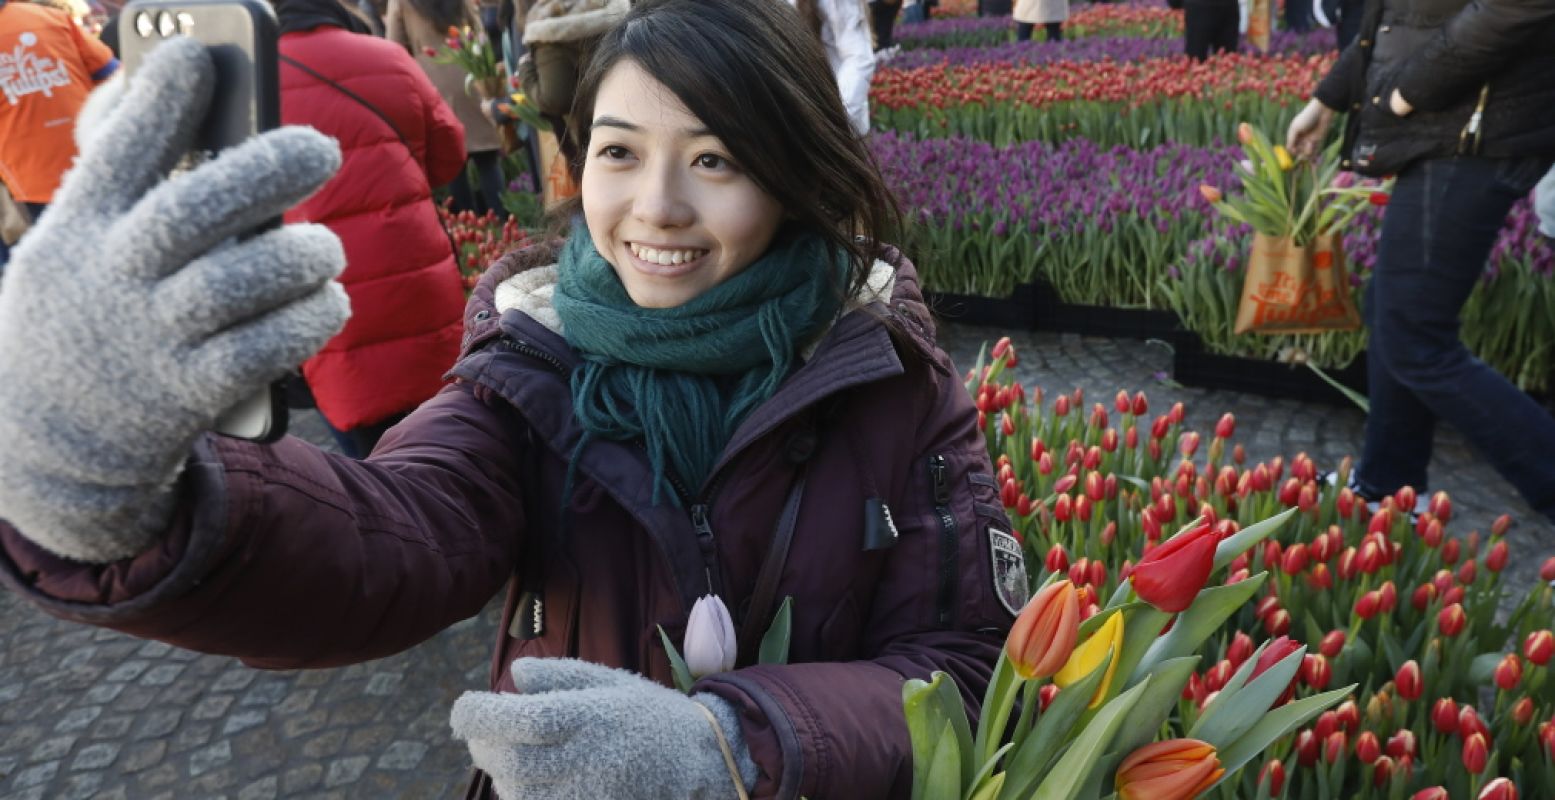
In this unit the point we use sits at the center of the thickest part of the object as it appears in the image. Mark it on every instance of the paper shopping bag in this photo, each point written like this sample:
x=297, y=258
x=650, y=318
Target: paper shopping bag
x=1291, y=289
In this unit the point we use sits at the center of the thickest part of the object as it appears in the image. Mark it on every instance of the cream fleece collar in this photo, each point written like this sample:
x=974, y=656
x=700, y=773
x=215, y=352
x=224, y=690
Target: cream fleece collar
x=531, y=291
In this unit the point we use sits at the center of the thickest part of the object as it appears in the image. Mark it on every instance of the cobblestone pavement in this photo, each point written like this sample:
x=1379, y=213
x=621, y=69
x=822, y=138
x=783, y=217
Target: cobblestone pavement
x=93, y=714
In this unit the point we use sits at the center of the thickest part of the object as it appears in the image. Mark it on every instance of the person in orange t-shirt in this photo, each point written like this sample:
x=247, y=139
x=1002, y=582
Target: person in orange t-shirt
x=48, y=65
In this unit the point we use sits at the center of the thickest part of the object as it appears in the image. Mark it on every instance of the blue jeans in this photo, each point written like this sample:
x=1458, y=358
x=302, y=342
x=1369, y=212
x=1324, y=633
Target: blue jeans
x=1437, y=232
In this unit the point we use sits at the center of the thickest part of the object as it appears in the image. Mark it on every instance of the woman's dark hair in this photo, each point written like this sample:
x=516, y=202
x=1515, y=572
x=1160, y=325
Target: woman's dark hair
x=443, y=14
x=752, y=73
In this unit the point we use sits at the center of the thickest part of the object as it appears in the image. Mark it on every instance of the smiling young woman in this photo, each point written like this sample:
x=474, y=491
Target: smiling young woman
x=722, y=381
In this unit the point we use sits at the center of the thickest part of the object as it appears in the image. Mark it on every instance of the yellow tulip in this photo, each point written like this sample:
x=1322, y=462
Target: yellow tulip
x=1089, y=655
x=518, y=98
x=1282, y=157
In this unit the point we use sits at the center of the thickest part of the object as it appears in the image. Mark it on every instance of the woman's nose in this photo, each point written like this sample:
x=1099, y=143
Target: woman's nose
x=660, y=201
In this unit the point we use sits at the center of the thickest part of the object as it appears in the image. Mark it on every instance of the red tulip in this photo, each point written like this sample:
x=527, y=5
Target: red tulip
x=1401, y=743
x=1522, y=711
x=429, y=52
x=1044, y=634
x=1408, y=681
x=1327, y=723
x=1278, y=623
x=1382, y=771
x=1306, y=748
x=1321, y=577
x=1188, y=444
x=1334, y=746
x=1141, y=404
x=1368, y=604
x=1502, y=524
x=1495, y=560
x=1240, y=649
x=1272, y=775
x=1468, y=572
x=1547, y=570
x=1332, y=644
x=1315, y=671
x=1451, y=551
x=1498, y=789
x=1273, y=653
x=1441, y=506
x=1451, y=620
x=1348, y=715
x=1433, y=793
x=1178, y=769
x=1367, y=748
x=1509, y=672
x=1057, y=559
x=1454, y=594
x=1389, y=597
x=1476, y=754
x=1226, y=427
x=1170, y=576
x=1294, y=560
x=1378, y=199
x=1469, y=723
x=1424, y=594
x=1538, y=647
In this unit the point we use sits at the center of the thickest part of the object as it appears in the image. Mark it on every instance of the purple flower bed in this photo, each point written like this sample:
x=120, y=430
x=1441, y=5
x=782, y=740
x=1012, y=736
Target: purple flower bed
x=1119, y=49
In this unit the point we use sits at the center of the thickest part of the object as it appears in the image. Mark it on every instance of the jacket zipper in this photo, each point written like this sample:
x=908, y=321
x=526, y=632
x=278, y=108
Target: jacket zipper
x=947, y=551
x=525, y=348
x=700, y=510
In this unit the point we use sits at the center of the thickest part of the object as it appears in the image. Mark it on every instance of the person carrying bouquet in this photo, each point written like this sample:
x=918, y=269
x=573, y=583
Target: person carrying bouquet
x=1455, y=98
x=722, y=382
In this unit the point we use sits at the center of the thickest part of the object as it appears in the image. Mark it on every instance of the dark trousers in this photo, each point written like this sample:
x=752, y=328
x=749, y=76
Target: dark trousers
x=488, y=168
x=1210, y=27
x=1298, y=15
x=1055, y=31
x=1437, y=232
x=882, y=17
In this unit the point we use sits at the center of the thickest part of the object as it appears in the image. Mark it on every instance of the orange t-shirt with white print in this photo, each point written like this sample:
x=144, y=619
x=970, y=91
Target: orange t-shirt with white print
x=48, y=65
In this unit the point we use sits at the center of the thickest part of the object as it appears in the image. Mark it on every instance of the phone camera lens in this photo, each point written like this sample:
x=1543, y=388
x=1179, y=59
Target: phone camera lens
x=165, y=24
x=143, y=24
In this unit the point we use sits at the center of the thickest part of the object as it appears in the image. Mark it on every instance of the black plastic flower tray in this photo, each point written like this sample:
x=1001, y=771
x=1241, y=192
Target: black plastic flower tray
x=1014, y=313
x=1192, y=366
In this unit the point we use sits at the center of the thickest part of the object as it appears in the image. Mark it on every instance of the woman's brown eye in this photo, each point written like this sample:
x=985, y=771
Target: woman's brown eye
x=710, y=161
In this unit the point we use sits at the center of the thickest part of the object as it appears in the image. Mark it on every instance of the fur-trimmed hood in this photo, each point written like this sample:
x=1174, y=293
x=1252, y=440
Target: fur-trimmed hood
x=572, y=20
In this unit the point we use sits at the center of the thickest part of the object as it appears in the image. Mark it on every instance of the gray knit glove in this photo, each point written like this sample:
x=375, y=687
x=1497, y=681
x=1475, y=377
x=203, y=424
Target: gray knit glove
x=130, y=317
x=580, y=730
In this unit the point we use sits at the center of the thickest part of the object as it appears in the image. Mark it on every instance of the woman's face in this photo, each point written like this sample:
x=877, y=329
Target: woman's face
x=664, y=203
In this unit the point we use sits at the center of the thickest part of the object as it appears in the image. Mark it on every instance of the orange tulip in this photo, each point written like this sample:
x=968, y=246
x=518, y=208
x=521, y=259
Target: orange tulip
x=1178, y=769
x=1044, y=634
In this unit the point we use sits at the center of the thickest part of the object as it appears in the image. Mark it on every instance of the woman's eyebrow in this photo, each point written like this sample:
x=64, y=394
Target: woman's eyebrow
x=608, y=121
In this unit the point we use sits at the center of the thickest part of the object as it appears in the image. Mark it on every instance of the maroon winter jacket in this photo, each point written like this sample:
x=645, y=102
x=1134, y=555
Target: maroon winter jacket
x=289, y=557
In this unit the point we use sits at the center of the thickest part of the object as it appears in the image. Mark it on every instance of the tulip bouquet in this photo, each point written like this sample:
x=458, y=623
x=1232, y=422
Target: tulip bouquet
x=1116, y=679
x=1281, y=197
x=469, y=48
x=1135, y=104
x=1449, y=696
x=478, y=241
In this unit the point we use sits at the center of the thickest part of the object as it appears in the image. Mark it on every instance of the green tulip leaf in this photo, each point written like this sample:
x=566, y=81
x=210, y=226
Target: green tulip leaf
x=1273, y=726
x=1482, y=670
x=1031, y=762
x=1155, y=705
x=774, y=645
x=1209, y=612
x=1234, y=715
x=928, y=714
x=1238, y=543
x=682, y=673
x=954, y=709
x=943, y=780
x=1094, y=741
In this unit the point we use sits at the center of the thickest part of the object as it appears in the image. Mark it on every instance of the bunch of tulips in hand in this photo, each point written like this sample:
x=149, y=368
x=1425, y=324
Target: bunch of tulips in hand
x=469, y=48
x=1445, y=697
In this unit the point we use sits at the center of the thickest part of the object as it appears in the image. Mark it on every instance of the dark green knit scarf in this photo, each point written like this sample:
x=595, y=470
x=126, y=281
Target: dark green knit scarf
x=682, y=379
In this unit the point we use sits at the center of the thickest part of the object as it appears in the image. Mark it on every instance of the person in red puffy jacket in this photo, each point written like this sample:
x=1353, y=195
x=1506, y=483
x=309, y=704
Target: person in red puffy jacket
x=398, y=139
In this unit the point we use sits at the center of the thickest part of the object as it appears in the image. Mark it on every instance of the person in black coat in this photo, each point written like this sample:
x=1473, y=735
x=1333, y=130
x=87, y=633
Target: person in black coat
x=1209, y=26
x=1456, y=98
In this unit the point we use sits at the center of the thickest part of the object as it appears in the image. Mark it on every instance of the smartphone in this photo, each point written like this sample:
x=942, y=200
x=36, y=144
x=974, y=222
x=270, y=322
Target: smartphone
x=241, y=36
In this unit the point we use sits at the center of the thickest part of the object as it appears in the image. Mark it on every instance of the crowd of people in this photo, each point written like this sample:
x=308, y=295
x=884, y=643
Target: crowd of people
x=720, y=378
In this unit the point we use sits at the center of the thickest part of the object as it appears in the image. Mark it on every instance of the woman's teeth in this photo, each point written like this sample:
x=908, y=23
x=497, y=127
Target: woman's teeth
x=666, y=258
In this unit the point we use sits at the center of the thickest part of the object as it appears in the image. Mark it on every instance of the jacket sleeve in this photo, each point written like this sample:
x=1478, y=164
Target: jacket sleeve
x=839, y=728
x=1471, y=48
x=445, y=133
x=856, y=58
x=290, y=557
x=1337, y=90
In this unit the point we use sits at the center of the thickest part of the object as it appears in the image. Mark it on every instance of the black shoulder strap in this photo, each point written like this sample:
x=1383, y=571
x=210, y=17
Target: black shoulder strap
x=763, y=599
x=353, y=95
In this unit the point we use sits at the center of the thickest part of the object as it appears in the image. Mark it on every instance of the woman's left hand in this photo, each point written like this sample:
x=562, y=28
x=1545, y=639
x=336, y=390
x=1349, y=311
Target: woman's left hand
x=577, y=729
x=1398, y=105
